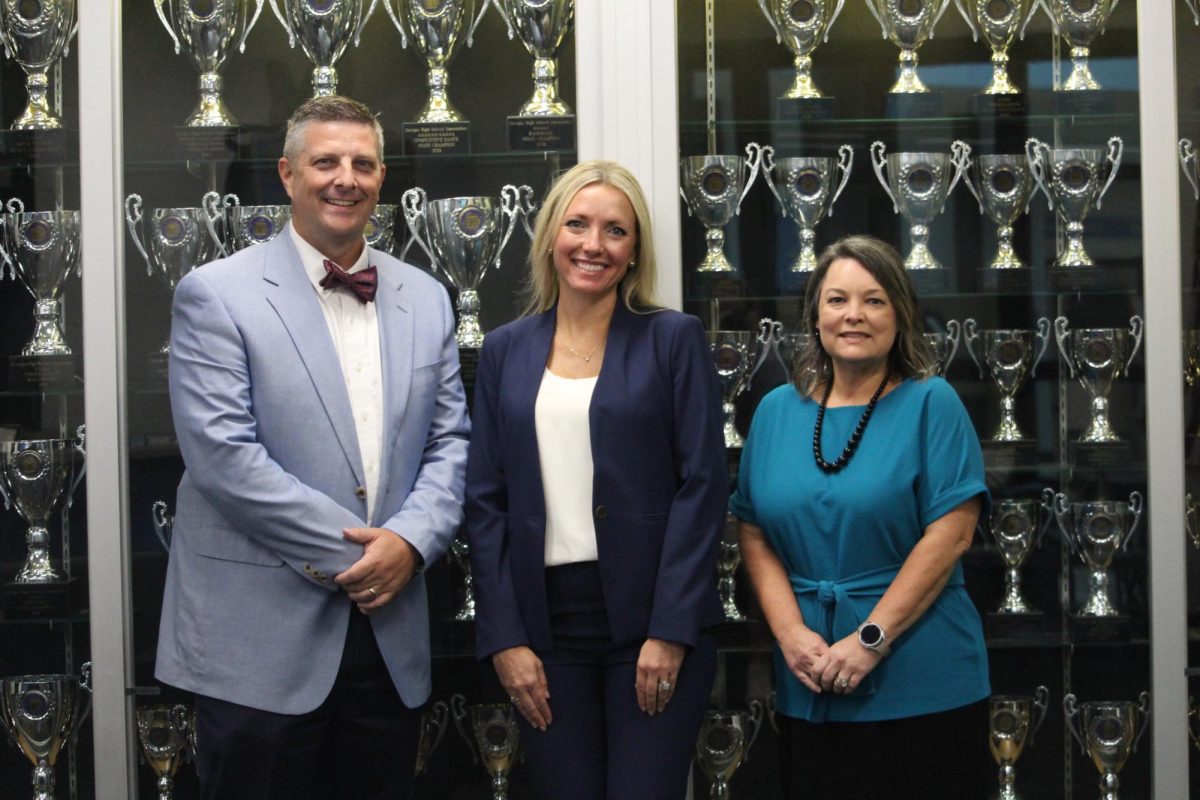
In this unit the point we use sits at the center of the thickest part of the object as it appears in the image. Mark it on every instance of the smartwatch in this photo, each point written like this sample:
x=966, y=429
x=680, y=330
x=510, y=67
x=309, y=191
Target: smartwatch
x=872, y=637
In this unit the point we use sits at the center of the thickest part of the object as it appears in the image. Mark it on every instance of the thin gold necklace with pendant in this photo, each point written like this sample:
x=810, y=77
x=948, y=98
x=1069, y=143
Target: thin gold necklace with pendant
x=586, y=359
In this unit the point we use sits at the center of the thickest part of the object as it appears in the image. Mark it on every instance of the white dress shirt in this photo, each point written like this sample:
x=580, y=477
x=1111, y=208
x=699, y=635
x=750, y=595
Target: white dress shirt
x=560, y=417
x=354, y=329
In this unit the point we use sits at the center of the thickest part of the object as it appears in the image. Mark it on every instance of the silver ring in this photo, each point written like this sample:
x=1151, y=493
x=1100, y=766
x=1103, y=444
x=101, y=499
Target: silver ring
x=842, y=683
x=664, y=686
x=516, y=701
x=374, y=593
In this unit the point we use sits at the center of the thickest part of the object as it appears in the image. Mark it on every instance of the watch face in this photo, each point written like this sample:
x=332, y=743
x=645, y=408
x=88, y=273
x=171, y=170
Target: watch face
x=870, y=635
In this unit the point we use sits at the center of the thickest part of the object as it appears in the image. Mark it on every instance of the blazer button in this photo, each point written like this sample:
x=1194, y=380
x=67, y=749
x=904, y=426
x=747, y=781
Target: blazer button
x=361, y=492
x=601, y=512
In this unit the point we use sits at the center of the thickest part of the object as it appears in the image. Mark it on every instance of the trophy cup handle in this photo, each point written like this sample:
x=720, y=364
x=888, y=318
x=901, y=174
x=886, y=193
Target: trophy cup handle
x=768, y=159
x=85, y=683
x=845, y=164
x=133, y=221
x=756, y=719
x=1111, y=9
x=768, y=331
x=779, y=34
x=1136, y=506
x=458, y=709
x=1061, y=332
x=1195, y=9
x=954, y=334
x=387, y=6
x=413, y=204
x=1062, y=515
x=528, y=208
x=974, y=191
x=158, y=515
x=471, y=31
x=211, y=203
x=510, y=206
x=504, y=16
x=970, y=335
x=1041, y=702
x=162, y=17
x=5, y=260
x=938, y=18
x=754, y=157
x=877, y=161
x=1136, y=327
x=1071, y=717
x=181, y=720
x=283, y=21
x=258, y=7
x=1115, y=148
x=970, y=22
x=15, y=205
x=441, y=717
x=362, y=24
x=1043, y=335
x=80, y=441
x=1033, y=7
x=1187, y=152
x=875, y=13
x=1034, y=148
x=1144, y=707
x=960, y=157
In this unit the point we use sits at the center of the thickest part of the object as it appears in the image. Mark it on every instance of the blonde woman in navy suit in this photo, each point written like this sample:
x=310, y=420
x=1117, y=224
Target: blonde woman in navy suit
x=595, y=501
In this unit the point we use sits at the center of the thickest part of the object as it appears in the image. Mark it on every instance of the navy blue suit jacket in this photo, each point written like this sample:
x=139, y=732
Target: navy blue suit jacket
x=659, y=489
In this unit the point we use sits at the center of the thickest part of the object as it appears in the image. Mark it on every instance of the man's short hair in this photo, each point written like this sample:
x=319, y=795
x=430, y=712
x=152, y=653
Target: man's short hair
x=332, y=108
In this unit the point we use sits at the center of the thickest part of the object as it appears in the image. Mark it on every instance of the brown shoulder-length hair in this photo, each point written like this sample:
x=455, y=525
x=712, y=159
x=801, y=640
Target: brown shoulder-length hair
x=910, y=356
x=541, y=284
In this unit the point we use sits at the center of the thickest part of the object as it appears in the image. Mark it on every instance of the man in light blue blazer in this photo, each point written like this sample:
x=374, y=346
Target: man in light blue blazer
x=322, y=422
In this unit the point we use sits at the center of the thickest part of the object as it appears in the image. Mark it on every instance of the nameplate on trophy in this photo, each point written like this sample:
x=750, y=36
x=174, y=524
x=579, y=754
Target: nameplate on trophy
x=913, y=105
x=1097, y=630
x=39, y=147
x=1014, y=627
x=436, y=138
x=1082, y=103
x=156, y=372
x=38, y=373
x=1009, y=455
x=805, y=108
x=930, y=281
x=468, y=363
x=1101, y=454
x=38, y=600
x=207, y=143
x=541, y=133
x=1070, y=279
x=1006, y=280
x=1001, y=106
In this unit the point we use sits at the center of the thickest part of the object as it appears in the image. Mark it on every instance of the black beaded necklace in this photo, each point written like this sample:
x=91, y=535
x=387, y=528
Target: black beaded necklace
x=851, y=445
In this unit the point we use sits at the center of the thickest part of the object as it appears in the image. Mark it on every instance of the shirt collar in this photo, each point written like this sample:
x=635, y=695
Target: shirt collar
x=314, y=261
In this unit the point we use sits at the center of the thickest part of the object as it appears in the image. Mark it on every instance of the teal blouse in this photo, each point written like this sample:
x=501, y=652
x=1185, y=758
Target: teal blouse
x=842, y=538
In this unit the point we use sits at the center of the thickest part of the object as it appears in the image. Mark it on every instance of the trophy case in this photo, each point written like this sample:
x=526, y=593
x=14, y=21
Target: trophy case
x=998, y=146
x=45, y=626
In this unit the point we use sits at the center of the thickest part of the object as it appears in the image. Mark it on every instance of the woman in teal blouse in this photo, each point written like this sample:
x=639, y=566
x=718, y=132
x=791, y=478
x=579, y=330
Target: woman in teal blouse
x=859, y=490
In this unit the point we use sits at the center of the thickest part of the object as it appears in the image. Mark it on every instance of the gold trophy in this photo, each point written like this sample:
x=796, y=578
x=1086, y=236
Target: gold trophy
x=42, y=714
x=163, y=732
x=723, y=744
x=1012, y=723
x=494, y=739
x=1107, y=734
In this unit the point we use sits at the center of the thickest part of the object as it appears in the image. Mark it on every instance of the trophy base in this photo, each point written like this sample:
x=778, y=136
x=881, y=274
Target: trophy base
x=909, y=105
x=156, y=372
x=40, y=373
x=541, y=133
x=34, y=147
x=802, y=109
x=40, y=600
x=1009, y=455
x=1027, y=625
x=468, y=364
x=1091, y=101
x=1006, y=280
x=927, y=281
x=1101, y=454
x=208, y=143
x=1001, y=106
x=436, y=138
x=716, y=284
x=1100, y=629
x=1070, y=279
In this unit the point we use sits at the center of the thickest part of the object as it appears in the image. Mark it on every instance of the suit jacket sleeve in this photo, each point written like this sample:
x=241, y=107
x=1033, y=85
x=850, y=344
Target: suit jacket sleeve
x=433, y=509
x=498, y=623
x=216, y=429
x=687, y=568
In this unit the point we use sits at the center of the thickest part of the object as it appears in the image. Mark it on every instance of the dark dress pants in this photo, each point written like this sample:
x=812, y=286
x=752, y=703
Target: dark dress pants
x=360, y=742
x=600, y=744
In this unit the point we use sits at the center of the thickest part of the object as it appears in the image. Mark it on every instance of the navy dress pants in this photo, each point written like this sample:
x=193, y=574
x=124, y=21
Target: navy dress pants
x=361, y=742
x=600, y=744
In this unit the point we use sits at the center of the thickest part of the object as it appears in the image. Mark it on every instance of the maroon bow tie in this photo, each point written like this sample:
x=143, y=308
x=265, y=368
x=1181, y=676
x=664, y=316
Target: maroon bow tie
x=362, y=283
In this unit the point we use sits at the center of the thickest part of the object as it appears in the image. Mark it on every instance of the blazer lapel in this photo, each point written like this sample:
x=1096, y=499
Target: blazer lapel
x=396, y=342
x=291, y=294
x=529, y=362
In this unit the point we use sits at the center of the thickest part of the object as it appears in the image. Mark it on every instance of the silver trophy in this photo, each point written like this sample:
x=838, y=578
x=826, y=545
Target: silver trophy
x=542, y=26
x=806, y=189
x=731, y=356
x=43, y=713
x=999, y=21
x=380, y=230
x=713, y=187
x=1097, y=357
x=1187, y=156
x=33, y=474
x=36, y=34
x=1013, y=721
x=724, y=742
x=163, y=522
x=1191, y=518
x=908, y=24
x=1108, y=731
x=1096, y=530
x=1079, y=22
x=163, y=732
x=790, y=346
x=435, y=26
x=324, y=28
x=233, y=226
x=42, y=249
x=1009, y=358
x=433, y=728
x=491, y=733
x=460, y=554
x=944, y=346
x=802, y=25
x=208, y=30
x=1003, y=185
x=728, y=560
x=463, y=237
x=1017, y=526
x=918, y=184
x=175, y=244
x=1074, y=179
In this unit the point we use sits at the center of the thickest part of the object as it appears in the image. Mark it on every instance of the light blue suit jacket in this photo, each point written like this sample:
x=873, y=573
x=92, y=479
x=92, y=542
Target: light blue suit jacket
x=251, y=613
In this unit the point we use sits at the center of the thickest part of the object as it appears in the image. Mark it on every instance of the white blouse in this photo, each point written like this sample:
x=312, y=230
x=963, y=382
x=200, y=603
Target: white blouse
x=565, y=453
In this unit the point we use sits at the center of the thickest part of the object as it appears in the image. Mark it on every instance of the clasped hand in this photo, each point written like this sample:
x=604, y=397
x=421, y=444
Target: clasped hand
x=387, y=564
